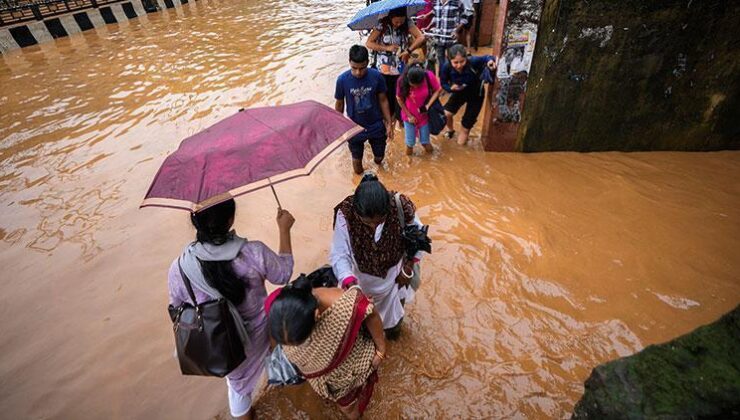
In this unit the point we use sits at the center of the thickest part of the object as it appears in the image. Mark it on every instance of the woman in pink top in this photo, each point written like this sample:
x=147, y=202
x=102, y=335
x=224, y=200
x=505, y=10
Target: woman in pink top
x=417, y=92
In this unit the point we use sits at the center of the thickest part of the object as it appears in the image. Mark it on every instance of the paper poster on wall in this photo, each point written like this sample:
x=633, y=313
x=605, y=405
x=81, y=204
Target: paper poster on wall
x=512, y=73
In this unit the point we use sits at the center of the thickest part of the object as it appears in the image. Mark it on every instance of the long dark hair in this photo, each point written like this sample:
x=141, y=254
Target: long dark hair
x=212, y=227
x=292, y=313
x=412, y=75
x=371, y=199
x=397, y=12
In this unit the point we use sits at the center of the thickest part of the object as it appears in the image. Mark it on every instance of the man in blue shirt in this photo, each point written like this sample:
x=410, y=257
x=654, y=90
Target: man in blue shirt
x=364, y=92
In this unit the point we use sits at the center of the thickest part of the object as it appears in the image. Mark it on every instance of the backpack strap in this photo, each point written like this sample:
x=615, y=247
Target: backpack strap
x=188, y=286
x=399, y=208
x=429, y=87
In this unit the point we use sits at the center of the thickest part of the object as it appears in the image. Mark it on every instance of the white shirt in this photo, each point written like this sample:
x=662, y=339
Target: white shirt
x=385, y=293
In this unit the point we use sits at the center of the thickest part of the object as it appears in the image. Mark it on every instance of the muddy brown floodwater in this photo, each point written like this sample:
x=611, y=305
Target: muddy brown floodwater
x=544, y=265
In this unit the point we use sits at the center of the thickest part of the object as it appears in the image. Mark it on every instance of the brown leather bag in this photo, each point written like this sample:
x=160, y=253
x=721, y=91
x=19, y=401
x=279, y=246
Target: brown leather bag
x=206, y=337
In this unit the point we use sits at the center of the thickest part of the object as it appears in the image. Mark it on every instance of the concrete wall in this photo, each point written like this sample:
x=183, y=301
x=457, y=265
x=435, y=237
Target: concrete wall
x=634, y=75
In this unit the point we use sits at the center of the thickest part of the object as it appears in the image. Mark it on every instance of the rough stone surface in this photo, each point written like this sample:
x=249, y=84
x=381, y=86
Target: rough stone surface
x=634, y=75
x=696, y=376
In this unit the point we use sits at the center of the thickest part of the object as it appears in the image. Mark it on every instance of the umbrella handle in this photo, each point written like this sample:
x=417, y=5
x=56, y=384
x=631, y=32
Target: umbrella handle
x=275, y=194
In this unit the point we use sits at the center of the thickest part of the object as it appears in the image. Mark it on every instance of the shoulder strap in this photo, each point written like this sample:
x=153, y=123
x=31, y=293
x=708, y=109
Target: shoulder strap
x=186, y=280
x=399, y=208
x=472, y=68
x=429, y=90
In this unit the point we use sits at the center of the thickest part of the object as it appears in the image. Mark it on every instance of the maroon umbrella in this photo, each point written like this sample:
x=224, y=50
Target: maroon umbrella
x=245, y=152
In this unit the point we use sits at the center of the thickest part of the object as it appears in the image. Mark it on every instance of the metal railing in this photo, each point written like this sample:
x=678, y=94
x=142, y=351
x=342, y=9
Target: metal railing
x=18, y=11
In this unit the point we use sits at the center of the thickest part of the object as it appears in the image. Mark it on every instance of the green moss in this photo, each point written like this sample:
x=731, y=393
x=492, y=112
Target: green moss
x=651, y=86
x=696, y=376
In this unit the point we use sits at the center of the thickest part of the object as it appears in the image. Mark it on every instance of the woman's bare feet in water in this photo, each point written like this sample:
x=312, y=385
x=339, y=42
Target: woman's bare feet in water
x=409, y=151
x=428, y=148
x=462, y=138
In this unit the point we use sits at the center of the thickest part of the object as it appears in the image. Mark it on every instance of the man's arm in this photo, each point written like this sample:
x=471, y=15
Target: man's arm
x=339, y=106
x=386, y=110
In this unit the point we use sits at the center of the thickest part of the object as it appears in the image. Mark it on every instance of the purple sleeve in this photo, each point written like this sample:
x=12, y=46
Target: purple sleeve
x=277, y=269
x=175, y=286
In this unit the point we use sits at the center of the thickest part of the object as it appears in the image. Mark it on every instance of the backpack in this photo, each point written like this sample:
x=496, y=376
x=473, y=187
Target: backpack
x=436, y=112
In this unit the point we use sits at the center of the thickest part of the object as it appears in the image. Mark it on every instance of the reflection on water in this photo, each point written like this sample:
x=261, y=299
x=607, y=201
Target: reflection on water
x=544, y=265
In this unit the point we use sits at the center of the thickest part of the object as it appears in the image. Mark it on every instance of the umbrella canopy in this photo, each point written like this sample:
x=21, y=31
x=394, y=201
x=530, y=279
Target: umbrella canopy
x=250, y=150
x=369, y=17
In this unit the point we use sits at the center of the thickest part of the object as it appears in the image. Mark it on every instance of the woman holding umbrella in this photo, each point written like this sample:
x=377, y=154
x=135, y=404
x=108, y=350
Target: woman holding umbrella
x=252, y=149
x=237, y=269
x=390, y=42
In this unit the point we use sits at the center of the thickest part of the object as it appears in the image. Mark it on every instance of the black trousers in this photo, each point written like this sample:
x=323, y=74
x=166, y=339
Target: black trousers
x=473, y=96
x=390, y=84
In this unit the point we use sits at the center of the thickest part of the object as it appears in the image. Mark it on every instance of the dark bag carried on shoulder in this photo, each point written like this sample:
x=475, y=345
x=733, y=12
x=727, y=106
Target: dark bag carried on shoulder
x=436, y=113
x=206, y=336
x=415, y=239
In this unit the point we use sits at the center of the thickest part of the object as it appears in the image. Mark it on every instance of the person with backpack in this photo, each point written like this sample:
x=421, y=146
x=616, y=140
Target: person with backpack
x=236, y=268
x=463, y=76
x=416, y=93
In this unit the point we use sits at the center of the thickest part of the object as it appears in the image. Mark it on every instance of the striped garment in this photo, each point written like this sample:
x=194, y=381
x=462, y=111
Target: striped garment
x=448, y=15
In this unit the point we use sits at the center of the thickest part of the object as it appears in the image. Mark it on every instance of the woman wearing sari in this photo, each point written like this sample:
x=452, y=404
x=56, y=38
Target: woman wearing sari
x=334, y=338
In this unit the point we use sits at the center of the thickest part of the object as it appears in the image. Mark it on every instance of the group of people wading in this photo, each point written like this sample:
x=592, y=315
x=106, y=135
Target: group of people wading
x=336, y=336
x=395, y=84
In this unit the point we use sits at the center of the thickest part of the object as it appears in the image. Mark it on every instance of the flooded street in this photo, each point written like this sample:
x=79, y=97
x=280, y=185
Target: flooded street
x=544, y=265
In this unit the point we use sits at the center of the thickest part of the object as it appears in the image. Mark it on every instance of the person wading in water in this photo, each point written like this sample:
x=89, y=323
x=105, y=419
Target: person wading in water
x=392, y=42
x=368, y=249
x=363, y=91
x=237, y=269
x=320, y=331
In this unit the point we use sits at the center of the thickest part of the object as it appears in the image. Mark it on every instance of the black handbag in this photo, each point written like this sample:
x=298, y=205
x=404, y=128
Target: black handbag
x=436, y=113
x=323, y=277
x=206, y=336
x=415, y=239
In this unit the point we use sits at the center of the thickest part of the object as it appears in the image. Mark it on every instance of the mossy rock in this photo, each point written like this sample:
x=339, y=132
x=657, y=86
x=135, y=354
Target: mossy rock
x=634, y=75
x=696, y=376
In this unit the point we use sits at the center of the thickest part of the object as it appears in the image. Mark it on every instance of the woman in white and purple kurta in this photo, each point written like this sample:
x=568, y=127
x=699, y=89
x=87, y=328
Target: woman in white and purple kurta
x=220, y=262
x=368, y=249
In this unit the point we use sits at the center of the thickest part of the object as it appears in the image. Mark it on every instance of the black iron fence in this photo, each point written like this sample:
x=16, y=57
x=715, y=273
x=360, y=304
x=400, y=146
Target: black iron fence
x=18, y=11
